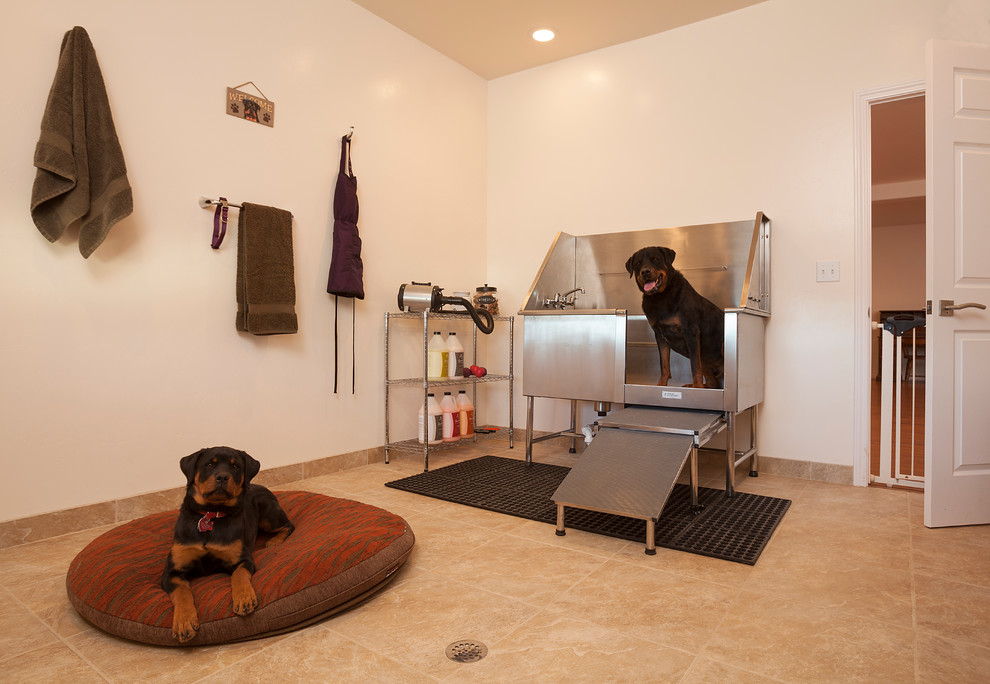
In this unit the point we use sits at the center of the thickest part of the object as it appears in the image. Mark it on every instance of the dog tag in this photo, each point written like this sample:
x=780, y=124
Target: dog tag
x=206, y=522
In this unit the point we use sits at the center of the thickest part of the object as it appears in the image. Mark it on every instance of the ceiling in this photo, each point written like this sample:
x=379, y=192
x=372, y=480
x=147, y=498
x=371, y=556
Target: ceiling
x=492, y=37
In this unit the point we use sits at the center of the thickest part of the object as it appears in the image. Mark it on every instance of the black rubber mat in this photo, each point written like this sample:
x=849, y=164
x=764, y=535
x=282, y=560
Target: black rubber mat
x=734, y=529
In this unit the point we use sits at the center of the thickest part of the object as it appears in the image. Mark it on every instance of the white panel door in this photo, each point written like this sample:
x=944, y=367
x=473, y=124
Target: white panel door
x=957, y=395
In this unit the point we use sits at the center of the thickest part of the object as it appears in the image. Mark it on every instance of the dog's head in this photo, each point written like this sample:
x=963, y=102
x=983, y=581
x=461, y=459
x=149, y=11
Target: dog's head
x=218, y=475
x=652, y=268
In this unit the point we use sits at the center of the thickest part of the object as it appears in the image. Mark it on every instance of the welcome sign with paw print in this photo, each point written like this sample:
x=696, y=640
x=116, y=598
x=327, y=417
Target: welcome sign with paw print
x=250, y=107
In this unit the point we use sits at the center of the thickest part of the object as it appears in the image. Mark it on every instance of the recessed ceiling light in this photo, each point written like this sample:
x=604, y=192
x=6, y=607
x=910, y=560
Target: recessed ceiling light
x=543, y=35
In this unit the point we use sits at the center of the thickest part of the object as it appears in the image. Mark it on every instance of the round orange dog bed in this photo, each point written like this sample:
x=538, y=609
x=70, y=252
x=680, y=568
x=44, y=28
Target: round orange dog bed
x=340, y=553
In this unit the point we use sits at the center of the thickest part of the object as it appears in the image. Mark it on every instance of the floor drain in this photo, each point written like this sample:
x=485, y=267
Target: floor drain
x=467, y=651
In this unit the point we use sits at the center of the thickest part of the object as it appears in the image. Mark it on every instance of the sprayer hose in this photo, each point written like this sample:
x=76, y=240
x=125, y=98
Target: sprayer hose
x=486, y=327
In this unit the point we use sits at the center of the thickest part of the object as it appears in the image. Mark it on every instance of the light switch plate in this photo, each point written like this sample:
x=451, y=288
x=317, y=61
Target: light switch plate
x=828, y=272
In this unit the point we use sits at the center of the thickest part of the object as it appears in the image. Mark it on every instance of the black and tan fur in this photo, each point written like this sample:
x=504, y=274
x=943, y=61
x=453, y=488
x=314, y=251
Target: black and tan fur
x=216, y=531
x=681, y=318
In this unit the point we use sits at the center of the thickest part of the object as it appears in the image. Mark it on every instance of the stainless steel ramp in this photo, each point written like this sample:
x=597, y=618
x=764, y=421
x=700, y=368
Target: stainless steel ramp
x=701, y=425
x=632, y=464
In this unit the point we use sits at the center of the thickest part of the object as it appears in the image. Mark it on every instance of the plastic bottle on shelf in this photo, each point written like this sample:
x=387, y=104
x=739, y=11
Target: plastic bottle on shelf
x=467, y=414
x=451, y=419
x=455, y=356
x=436, y=357
x=433, y=432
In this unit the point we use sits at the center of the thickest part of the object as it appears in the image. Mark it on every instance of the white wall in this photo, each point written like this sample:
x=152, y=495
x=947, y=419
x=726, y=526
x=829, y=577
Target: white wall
x=113, y=368
x=898, y=275
x=898, y=268
x=751, y=111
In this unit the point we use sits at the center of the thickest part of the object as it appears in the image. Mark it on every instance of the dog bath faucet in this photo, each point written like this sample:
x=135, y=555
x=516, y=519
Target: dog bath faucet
x=563, y=300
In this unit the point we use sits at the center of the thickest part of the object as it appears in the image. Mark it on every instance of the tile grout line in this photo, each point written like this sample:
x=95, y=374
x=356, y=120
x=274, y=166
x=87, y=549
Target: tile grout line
x=696, y=665
x=712, y=634
x=384, y=655
x=18, y=602
x=86, y=660
x=59, y=639
x=914, y=595
x=276, y=642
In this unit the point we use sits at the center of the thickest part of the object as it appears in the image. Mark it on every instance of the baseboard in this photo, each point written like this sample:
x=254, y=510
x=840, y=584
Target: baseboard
x=57, y=523
x=48, y=525
x=806, y=470
x=787, y=467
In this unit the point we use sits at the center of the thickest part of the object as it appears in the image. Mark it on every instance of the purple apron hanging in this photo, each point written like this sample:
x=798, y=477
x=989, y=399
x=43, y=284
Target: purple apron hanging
x=346, y=269
x=346, y=278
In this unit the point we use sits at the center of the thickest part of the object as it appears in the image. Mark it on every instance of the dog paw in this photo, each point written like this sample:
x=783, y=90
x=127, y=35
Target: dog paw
x=245, y=603
x=184, y=629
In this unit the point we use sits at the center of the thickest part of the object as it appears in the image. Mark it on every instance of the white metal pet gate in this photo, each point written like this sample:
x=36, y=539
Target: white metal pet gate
x=902, y=398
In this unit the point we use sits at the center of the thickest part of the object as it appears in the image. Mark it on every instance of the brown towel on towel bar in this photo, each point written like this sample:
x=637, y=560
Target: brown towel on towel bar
x=81, y=175
x=266, y=289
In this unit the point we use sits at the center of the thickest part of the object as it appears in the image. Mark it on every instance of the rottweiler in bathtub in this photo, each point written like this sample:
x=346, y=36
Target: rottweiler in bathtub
x=681, y=318
x=216, y=531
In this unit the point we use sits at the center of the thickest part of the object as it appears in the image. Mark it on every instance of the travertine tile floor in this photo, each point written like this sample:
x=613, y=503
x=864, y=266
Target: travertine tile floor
x=852, y=588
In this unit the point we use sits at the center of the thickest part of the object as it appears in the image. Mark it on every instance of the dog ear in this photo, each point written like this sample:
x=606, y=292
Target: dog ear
x=188, y=465
x=629, y=265
x=251, y=467
x=668, y=254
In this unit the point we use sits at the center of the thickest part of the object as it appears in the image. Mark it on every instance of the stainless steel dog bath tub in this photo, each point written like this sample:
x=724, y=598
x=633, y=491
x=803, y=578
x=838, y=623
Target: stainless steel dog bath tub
x=585, y=337
x=612, y=357
x=600, y=348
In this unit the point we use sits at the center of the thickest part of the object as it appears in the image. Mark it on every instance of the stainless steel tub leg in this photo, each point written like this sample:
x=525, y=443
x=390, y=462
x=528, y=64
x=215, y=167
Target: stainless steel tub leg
x=695, y=506
x=574, y=413
x=651, y=543
x=730, y=455
x=560, y=520
x=529, y=430
x=754, y=470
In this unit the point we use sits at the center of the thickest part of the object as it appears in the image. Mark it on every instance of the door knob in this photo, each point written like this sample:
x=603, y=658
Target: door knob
x=946, y=307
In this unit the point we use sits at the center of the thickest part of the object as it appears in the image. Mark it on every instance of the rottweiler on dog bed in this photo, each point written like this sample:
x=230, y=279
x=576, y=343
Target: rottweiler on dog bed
x=681, y=318
x=216, y=531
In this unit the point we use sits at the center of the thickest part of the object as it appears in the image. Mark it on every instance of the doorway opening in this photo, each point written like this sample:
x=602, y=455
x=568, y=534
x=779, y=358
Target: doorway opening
x=897, y=297
x=897, y=179
x=890, y=210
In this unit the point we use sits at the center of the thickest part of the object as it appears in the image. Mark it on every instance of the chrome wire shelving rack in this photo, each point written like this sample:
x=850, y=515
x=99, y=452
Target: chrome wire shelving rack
x=422, y=380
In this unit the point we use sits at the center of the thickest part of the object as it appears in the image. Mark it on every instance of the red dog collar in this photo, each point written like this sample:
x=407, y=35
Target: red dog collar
x=206, y=522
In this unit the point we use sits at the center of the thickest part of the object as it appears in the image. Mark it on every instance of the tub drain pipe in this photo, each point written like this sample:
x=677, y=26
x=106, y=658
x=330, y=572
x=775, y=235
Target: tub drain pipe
x=586, y=431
